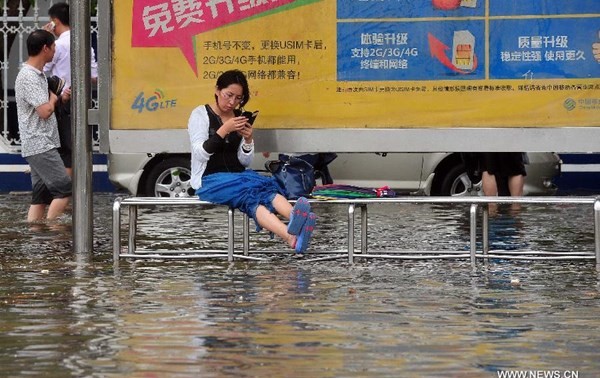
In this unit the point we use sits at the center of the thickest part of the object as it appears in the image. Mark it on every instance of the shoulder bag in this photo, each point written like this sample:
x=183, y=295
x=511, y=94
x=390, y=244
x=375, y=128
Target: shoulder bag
x=295, y=175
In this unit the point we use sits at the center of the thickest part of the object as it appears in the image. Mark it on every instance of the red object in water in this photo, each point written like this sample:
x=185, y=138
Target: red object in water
x=446, y=4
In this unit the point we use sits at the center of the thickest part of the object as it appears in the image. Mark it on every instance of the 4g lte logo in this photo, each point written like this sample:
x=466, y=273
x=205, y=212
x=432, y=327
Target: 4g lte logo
x=152, y=103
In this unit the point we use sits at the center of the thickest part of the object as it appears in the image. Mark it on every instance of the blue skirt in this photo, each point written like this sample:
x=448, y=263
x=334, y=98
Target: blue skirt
x=241, y=190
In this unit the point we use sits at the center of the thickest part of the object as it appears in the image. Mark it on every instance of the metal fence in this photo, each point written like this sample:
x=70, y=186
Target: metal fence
x=19, y=18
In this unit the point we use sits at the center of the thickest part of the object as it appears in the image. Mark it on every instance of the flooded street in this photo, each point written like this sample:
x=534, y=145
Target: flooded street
x=64, y=314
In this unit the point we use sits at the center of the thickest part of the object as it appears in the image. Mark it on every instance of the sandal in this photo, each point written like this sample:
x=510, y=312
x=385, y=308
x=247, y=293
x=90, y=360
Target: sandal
x=304, y=238
x=298, y=216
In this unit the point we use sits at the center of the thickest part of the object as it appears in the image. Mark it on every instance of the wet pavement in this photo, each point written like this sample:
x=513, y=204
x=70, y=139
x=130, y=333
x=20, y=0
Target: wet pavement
x=71, y=314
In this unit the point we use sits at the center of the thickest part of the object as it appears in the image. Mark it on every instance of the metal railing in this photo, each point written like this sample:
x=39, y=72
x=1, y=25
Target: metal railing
x=351, y=253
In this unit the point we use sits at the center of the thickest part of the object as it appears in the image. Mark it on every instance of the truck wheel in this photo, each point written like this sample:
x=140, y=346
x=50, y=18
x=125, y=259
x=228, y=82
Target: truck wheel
x=458, y=183
x=170, y=178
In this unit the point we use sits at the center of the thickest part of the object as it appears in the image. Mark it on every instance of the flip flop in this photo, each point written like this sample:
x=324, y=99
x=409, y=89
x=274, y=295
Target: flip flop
x=298, y=216
x=307, y=230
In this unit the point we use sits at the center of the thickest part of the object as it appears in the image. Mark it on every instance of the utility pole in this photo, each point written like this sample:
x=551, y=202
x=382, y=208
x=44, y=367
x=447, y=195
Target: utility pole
x=81, y=132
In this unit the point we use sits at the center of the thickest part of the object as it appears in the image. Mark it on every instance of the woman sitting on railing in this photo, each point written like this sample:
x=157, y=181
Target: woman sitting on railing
x=222, y=149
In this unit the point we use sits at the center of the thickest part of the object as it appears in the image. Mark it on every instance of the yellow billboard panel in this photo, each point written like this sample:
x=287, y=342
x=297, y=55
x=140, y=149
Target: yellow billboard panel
x=360, y=64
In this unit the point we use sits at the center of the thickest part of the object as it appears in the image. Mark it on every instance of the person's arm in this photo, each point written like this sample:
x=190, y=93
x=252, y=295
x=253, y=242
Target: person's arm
x=198, y=125
x=246, y=153
x=47, y=109
x=246, y=149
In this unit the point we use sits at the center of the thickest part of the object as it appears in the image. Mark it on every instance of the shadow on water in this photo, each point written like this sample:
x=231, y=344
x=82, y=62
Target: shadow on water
x=66, y=314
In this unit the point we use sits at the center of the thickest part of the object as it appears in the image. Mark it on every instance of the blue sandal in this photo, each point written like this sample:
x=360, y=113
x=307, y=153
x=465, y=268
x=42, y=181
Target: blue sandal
x=298, y=216
x=303, y=239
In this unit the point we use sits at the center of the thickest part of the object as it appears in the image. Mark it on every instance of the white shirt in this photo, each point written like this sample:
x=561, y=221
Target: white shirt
x=198, y=126
x=61, y=63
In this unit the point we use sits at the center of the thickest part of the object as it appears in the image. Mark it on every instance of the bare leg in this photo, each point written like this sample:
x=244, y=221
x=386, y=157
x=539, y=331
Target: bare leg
x=282, y=206
x=36, y=212
x=490, y=188
x=515, y=185
x=271, y=222
x=57, y=207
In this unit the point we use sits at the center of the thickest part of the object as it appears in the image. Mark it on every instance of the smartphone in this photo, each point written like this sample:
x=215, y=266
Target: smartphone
x=251, y=116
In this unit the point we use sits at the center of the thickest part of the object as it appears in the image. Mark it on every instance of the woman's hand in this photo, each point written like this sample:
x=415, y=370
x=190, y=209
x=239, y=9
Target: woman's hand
x=246, y=132
x=235, y=124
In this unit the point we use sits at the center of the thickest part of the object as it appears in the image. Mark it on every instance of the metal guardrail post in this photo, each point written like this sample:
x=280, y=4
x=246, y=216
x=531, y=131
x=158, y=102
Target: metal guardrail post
x=246, y=232
x=133, y=213
x=116, y=230
x=485, y=228
x=363, y=231
x=230, y=235
x=473, y=226
x=597, y=230
x=351, y=233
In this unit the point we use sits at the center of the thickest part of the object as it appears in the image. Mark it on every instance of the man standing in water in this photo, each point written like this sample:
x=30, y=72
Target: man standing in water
x=39, y=131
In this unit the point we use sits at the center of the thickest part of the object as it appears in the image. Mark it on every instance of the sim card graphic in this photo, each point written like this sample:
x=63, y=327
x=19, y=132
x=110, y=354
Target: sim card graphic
x=463, y=48
x=468, y=3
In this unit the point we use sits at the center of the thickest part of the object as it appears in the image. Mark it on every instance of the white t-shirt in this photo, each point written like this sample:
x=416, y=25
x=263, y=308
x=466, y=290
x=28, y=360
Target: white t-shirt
x=61, y=63
x=37, y=134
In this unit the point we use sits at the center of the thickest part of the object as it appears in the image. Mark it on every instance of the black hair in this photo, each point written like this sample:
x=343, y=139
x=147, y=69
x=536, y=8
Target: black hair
x=235, y=77
x=37, y=40
x=61, y=12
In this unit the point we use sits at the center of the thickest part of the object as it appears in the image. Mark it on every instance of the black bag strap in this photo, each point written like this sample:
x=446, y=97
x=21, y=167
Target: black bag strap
x=273, y=165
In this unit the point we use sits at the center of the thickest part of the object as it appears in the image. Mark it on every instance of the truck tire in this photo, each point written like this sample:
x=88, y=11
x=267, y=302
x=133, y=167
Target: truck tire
x=169, y=178
x=457, y=183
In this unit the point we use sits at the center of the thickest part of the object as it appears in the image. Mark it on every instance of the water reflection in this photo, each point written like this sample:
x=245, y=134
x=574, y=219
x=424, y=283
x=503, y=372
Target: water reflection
x=63, y=314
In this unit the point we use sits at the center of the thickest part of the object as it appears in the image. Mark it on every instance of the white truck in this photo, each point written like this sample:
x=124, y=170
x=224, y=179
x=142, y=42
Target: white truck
x=404, y=84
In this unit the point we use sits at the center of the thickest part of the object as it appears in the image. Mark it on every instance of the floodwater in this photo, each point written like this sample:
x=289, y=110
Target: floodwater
x=66, y=314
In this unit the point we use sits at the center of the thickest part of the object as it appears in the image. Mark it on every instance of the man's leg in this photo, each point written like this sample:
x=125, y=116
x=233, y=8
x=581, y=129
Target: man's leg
x=36, y=212
x=515, y=185
x=40, y=195
x=57, y=207
x=51, y=170
x=490, y=188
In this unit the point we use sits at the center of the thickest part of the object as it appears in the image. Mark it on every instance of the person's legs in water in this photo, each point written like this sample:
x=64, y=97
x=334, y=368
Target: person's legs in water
x=50, y=185
x=488, y=183
x=515, y=185
x=490, y=189
x=57, y=207
x=41, y=197
x=36, y=212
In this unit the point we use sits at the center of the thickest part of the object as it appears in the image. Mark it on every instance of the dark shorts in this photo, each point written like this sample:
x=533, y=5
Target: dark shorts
x=504, y=164
x=66, y=146
x=49, y=180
